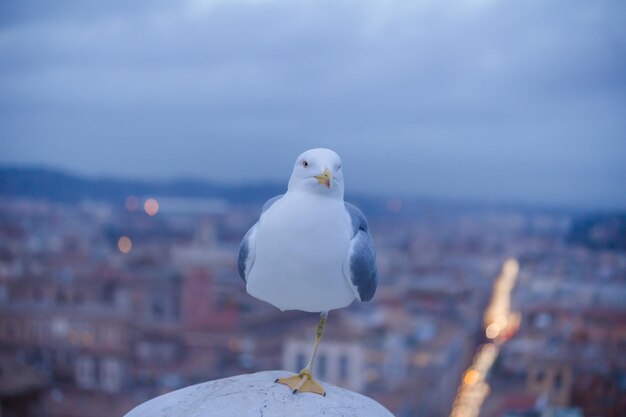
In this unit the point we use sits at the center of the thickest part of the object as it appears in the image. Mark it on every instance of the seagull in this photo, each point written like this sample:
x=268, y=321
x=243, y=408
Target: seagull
x=310, y=250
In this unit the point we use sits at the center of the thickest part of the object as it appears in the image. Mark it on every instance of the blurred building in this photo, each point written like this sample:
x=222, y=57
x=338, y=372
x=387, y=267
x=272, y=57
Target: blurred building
x=108, y=328
x=22, y=389
x=98, y=324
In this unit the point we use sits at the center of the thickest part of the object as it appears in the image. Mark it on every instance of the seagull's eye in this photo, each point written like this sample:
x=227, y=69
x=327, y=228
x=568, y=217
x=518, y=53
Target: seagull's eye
x=305, y=164
x=339, y=166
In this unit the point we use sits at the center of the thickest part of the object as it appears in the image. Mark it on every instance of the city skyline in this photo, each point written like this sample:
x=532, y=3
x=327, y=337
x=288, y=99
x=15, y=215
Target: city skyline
x=106, y=305
x=62, y=185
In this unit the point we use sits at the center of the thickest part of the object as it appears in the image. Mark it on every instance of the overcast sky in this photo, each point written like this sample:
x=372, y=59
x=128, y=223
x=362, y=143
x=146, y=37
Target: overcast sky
x=488, y=100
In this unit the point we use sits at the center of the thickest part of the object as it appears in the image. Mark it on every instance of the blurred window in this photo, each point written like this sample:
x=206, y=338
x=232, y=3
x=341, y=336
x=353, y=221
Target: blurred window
x=157, y=309
x=85, y=372
x=343, y=367
x=299, y=361
x=107, y=293
x=321, y=366
x=61, y=298
x=111, y=374
x=79, y=298
x=558, y=380
x=11, y=328
x=540, y=376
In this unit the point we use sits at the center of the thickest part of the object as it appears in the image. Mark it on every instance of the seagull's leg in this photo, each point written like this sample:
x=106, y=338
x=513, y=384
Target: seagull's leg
x=304, y=381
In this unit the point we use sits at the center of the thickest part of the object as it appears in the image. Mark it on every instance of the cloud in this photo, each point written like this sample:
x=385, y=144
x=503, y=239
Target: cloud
x=481, y=99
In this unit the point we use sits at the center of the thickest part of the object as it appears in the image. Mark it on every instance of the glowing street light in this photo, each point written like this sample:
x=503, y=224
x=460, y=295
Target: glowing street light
x=151, y=206
x=471, y=377
x=124, y=244
x=499, y=323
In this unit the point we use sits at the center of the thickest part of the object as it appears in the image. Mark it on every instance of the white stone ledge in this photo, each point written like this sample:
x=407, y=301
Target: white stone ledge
x=257, y=395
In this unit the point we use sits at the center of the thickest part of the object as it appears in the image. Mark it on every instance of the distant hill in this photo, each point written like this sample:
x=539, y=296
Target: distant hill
x=60, y=186
x=56, y=185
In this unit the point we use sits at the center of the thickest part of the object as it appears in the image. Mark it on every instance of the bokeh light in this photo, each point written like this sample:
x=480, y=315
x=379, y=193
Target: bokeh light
x=151, y=206
x=492, y=331
x=471, y=377
x=131, y=203
x=124, y=244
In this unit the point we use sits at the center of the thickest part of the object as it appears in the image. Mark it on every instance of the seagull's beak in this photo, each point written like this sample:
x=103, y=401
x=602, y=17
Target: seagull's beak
x=325, y=178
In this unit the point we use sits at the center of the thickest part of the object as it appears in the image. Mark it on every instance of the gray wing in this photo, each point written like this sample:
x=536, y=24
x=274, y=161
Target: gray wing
x=360, y=266
x=245, y=257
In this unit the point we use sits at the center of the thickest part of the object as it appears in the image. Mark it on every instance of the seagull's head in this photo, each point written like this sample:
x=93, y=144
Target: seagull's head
x=318, y=171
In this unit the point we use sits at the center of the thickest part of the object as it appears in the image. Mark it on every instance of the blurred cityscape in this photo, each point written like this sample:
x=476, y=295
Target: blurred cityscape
x=107, y=301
